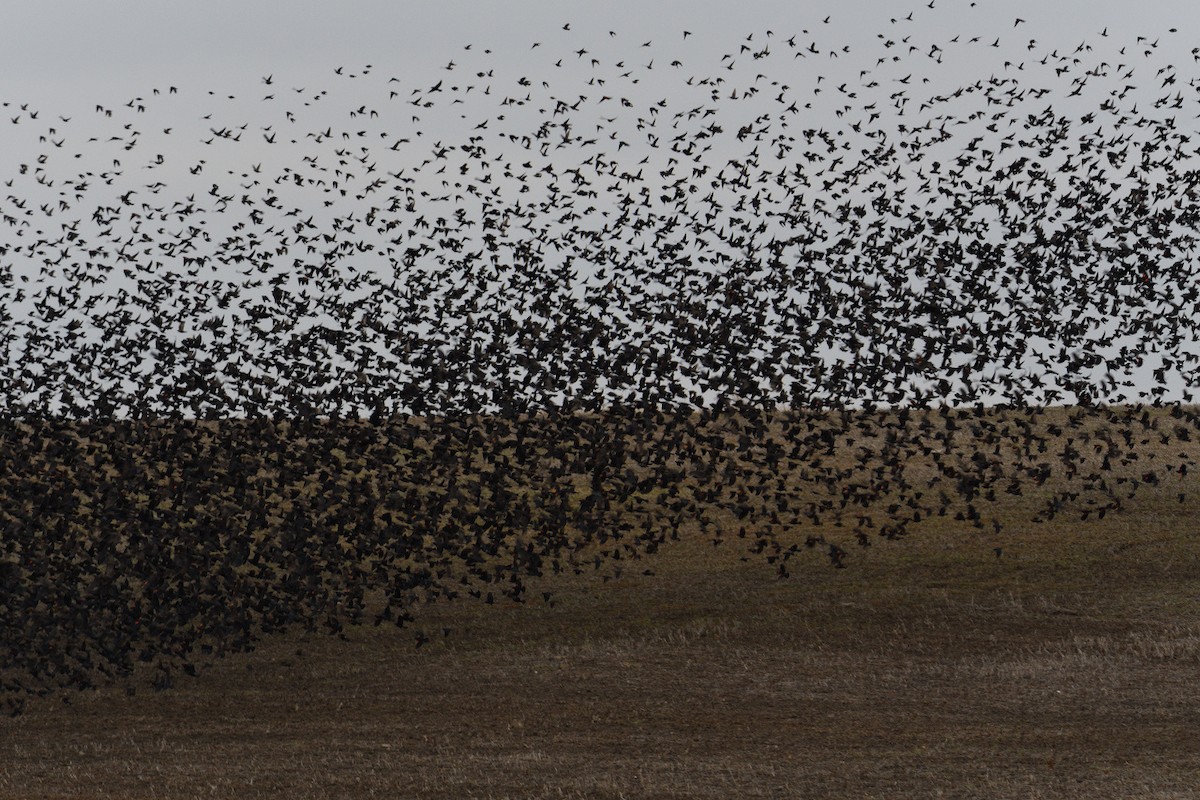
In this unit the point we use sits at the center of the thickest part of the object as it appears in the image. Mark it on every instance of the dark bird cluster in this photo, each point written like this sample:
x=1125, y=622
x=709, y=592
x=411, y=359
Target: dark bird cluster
x=321, y=366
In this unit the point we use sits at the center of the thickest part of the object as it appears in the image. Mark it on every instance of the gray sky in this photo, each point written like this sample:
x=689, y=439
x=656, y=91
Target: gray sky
x=62, y=49
x=63, y=59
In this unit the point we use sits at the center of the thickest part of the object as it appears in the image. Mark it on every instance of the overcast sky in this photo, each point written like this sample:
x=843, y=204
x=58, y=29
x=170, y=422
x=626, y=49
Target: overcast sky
x=60, y=59
x=54, y=49
x=248, y=62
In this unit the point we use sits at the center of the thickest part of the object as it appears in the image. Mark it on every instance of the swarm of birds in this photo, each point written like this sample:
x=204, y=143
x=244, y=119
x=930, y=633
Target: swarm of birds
x=586, y=317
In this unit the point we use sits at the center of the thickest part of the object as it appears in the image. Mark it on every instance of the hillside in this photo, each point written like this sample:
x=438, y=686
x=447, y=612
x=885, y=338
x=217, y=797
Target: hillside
x=1050, y=658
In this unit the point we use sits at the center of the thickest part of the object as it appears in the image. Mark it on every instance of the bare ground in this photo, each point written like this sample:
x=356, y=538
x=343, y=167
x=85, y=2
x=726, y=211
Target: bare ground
x=1065, y=667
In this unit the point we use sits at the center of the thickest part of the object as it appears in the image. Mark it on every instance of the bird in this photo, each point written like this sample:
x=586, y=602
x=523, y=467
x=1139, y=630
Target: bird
x=400, y=361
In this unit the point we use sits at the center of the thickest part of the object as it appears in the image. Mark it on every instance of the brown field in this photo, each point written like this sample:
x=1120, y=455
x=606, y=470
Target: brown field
x=1065, y=666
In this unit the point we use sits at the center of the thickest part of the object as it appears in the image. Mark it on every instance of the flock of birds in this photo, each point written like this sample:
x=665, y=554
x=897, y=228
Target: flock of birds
x=402, y=367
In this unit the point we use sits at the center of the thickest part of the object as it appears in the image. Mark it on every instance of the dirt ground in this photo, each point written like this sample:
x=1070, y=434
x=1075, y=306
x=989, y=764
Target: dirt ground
x=1065, y=666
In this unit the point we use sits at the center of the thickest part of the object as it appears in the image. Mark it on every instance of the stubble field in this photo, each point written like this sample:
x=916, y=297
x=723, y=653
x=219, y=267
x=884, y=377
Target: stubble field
x=1052, y=659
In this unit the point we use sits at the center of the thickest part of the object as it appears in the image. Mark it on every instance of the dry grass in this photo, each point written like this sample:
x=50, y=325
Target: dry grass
x=930, y=667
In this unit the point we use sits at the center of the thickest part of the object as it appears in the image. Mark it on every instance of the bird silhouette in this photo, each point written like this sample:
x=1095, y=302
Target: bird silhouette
x=465, y=332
